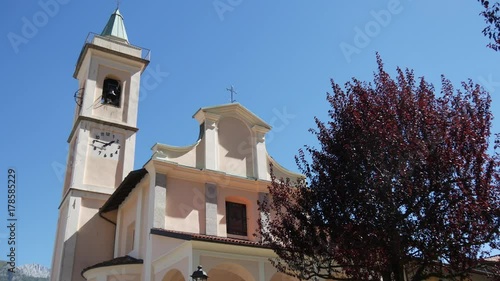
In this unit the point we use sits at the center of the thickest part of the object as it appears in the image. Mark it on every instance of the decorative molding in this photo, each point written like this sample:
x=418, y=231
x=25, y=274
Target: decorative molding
x=115, y=124
x=211, y=120
x=177, y=254
x=87, y=193
x=203, y=116
x=263, y=255
x=122, y=269
x=260, y=133
x=234, y=110
x=90, y=46
x=174, y=170
x=163, y=149
x=288, y=173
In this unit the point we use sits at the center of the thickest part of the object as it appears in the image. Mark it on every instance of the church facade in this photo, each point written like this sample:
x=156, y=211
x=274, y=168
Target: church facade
x=187, y=206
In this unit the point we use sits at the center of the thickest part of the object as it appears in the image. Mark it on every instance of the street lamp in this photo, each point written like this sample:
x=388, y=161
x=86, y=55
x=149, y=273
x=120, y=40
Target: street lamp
x=199, y=275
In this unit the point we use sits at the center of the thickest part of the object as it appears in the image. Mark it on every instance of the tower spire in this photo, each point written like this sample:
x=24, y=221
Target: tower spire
x=115, y=28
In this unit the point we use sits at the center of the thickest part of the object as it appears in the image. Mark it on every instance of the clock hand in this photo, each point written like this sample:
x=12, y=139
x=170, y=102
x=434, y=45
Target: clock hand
x=99, y=141
x=109, y=143
x=96, y=147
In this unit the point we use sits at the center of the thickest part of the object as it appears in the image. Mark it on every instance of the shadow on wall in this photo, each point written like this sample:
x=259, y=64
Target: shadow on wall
x=94, y=243
x=235, y=140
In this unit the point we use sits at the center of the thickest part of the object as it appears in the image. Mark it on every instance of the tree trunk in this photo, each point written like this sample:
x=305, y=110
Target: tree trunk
x=387, y=276
x=396, y=273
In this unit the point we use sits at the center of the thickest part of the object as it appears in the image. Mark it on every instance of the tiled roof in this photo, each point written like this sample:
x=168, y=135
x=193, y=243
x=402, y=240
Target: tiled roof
x=115, y=261
x=121, y=193
x=206, y=238
x=495, y=258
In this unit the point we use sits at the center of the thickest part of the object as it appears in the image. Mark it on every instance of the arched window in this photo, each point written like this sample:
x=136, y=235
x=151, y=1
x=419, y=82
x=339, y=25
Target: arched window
x=111, y=92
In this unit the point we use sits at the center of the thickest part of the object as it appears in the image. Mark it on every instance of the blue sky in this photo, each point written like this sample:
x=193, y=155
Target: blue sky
x=279, y=55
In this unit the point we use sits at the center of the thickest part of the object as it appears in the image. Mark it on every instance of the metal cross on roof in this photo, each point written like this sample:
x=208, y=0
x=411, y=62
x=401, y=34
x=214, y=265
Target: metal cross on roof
x=233, y=91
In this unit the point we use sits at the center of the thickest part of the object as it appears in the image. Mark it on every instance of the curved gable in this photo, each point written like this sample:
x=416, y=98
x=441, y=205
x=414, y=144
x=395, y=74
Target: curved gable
x=232, y=141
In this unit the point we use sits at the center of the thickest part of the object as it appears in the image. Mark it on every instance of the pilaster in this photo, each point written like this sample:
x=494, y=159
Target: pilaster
x=160, y=195
x=211, y=141
x=211, y=209
x=260, y=163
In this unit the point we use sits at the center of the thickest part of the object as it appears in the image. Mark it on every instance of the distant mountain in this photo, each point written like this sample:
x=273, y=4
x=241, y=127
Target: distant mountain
x=35, y=270
x=27, y=272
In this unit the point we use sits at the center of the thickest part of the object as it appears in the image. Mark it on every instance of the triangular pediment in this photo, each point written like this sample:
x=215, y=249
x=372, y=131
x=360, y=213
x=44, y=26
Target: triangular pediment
x=231, y=110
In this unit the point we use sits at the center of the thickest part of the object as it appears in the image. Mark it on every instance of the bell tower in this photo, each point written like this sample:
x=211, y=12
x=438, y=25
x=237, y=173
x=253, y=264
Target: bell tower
x=102, y=146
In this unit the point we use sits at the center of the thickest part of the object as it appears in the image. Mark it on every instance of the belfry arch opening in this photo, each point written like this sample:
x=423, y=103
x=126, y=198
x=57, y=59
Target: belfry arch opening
x=111, y=92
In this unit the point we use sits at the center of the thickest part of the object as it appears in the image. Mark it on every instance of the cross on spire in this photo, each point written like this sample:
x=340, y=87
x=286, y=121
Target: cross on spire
x=233, y=92
x=117, y=4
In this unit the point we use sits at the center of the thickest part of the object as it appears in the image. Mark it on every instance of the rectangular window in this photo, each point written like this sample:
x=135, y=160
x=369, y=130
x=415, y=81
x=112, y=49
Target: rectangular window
x=236, y=218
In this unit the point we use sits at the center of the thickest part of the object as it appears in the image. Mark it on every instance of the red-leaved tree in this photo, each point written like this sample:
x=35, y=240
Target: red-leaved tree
x=491, y=16
x=402, y=186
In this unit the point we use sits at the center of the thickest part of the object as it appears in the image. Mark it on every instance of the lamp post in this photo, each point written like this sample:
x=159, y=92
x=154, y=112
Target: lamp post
x=199, y=275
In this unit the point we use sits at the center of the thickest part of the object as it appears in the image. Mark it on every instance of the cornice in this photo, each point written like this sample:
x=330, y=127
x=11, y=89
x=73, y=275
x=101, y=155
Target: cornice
x=89, y=46
x=174, y=170
x=162, y=148
x=230, y=110
x=99, y=121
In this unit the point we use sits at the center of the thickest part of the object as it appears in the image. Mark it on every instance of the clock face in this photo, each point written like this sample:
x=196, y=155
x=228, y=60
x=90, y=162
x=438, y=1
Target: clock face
x=106, y=144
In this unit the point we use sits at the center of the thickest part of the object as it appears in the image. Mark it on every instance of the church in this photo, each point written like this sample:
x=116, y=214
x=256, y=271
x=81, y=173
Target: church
x=186, y=207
